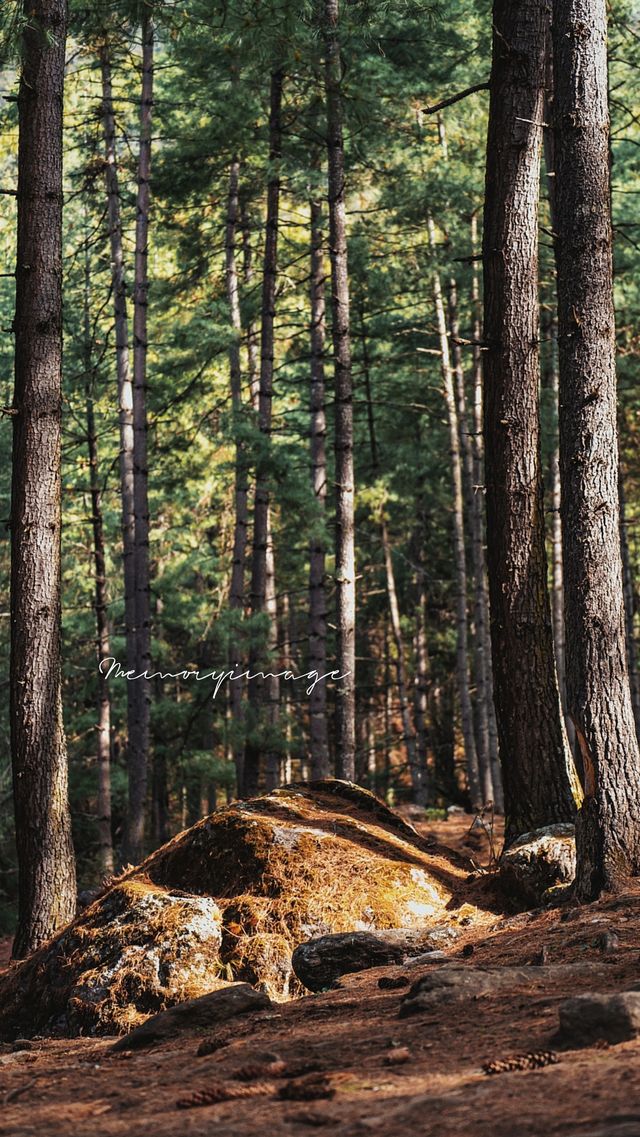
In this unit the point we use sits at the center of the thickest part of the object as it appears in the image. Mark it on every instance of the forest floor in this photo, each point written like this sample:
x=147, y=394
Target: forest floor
x=380, y=1074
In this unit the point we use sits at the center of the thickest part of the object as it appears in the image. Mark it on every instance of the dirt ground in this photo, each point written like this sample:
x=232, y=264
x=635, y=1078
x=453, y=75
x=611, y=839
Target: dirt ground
x=384, y=1075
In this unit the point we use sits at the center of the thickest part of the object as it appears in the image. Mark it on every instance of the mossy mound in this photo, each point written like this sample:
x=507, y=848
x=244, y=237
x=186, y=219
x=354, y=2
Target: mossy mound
x=228, y=900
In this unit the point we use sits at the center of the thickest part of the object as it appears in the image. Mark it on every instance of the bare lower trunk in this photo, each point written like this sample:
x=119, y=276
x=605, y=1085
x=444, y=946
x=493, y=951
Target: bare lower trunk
x=253, y=353
x=264, y=693
x=317, y=552
x=460, y=561
x=421, y=690
x=241, y=475
x=46, y=869
x=598, y=694
x=140, y=461
x=103, y=647
x=345, y=571
x=535, y=757
x=473, y=508
x=136, y=696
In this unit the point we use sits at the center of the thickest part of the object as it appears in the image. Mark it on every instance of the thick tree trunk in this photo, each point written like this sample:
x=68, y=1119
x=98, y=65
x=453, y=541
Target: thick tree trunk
x=473, y=509
x=533, y=745
x=345, y=571
x=460, y=560
x=103, y=644
x=264, y=693
x=482, y=586
x=241, y=474
x=46, y=869
x=317, y=553
x=598, y=694
x=136, y=695
x=140, y=462
x=629, y=608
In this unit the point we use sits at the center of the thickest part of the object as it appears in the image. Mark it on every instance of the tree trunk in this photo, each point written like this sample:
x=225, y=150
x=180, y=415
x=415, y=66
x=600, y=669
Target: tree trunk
x=421, y=689
x=241, y=486
x=473, y=509
x=46, y=869
x=136, y=696
x=482, y=586
x=462, y=663
x=140, y=462
x=252, y=336
x=264, y=693
x=317, y=553
x=345, y=571
x=598, y=694
x=409, y=737
x=629, y=609
x=533, y=745
x=103, y=645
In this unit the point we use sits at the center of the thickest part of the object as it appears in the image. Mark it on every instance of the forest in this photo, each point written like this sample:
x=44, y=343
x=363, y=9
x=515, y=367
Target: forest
x=320, y=496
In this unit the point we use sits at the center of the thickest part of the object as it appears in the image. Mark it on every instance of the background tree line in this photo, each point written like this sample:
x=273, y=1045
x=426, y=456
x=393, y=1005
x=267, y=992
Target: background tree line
x=277, y=344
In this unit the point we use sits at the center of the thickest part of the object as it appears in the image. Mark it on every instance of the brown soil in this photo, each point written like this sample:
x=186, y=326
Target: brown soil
x=385, y=1075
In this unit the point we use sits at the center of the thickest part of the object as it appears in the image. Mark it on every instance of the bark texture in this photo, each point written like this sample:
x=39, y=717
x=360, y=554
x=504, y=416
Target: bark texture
x=533, y=746
x=46, y=868
x=598, y=694
x=345, y=572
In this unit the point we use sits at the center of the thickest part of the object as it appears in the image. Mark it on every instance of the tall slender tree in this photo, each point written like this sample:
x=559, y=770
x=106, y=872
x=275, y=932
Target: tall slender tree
x=136, y=696
x=598, y=694
x=46, y=867
x=319, y=742
x=140, y=460
x=263, y=693
x=345, y=570
x=533, y=747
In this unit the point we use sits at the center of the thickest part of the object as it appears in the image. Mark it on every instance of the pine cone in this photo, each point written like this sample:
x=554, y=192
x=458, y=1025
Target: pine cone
x=311, y=1088
x=256, y=1070
x=535, y=1060
x=223, y=1091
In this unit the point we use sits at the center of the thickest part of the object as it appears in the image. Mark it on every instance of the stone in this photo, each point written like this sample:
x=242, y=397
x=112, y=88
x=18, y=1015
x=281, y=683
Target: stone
x=454, y=982
x=586, y=1019
x=195, y=1015
x=319, y=962
x=538, y=861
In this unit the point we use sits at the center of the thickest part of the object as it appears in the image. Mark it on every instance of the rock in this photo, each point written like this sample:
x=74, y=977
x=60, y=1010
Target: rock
x=587, y=1018
x=195, y=1015
x=319, y=962
x=454, y=983
x=228, y=900
x=538, y=861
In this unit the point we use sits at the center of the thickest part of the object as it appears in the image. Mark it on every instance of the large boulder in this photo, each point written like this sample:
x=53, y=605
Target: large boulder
x=227, y=901
x=537, y=862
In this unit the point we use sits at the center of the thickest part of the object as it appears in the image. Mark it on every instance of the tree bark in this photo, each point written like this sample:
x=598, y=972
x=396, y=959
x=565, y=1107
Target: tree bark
x=241, y=474
x=533, y=746
x=264, y=693
x=345, y=571
x=103, y=639
x=140, y=461
x=462, y=662
x=46, y=868
x=598, y=694
x=317, y=553
x=136, y=697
